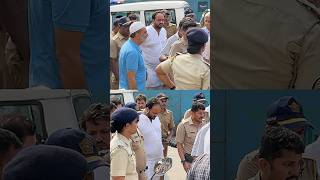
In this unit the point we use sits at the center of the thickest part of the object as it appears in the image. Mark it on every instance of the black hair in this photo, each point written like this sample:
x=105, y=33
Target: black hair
x=113, y=106
x=194, y=49
x=155, y=14
x=152, y=102
x=277, y=139
x=196, y=106
x=7, y=139
x=140, y=97
x=116, y=100
x=187, y=23
x=95, y=113
x=132, y=16
x=19, y=124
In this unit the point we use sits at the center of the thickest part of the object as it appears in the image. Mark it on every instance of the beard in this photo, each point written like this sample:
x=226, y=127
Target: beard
x=158, y=26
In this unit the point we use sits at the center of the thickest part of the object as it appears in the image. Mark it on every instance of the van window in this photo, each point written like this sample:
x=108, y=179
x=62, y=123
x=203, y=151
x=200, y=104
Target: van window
x=124, y=14
x=118, y=96
x=33, y=110
x=148, y=16
x=80, y=104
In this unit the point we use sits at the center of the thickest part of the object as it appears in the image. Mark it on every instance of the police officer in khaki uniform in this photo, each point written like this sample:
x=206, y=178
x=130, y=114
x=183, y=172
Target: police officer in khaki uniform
x=116, y=43
x=181, y=45
x=168, y=26
x=199, y=97
x=288, y=113
x=267, y=45
x=190, y=71
x=138, y=148
x=186, y=134
x=167, y=122
x=141, y=159
x=123, y=158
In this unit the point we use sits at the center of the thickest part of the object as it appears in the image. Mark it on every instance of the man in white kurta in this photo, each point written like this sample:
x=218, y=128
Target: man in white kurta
x=151, y=131
x=202, y=142
x=151, y=49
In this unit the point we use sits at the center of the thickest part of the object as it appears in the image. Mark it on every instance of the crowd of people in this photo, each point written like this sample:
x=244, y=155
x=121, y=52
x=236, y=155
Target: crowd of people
x=67, y=153
x=143, y=130
x=160, y=55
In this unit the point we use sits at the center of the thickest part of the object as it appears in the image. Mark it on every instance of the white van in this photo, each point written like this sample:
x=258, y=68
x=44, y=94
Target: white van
x=144, y=10
x=124, y=95
x=48, y=109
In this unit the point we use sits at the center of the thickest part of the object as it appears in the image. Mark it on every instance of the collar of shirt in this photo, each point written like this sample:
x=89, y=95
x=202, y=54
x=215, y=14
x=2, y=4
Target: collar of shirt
x=155, y=31
x=192, y=123
x=166, y=111
x=184, y=41
x=120, y=36
x=197, y=56
x=134, y=45
x=124, y=139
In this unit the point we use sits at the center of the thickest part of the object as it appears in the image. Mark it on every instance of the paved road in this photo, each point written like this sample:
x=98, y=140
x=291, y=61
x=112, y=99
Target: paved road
x=176, y=172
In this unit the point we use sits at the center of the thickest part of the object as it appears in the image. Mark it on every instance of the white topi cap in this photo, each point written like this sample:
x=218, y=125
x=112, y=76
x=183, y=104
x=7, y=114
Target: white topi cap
x=136, y=26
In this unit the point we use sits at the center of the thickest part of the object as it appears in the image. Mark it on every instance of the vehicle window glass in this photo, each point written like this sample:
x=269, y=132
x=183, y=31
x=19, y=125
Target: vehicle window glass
x=80, y=104
x=124, y=14
x=32, y=110
x=118, y=95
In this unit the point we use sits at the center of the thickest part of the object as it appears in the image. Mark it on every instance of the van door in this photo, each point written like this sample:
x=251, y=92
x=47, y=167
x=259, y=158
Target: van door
x=33, y=110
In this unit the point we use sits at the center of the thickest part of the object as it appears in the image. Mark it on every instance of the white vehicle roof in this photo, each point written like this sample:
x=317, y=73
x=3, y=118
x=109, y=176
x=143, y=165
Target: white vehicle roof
x=122, y=91
x=141, y=6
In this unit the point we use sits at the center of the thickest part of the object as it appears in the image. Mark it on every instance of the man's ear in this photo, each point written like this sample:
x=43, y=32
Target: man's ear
x=264, y=165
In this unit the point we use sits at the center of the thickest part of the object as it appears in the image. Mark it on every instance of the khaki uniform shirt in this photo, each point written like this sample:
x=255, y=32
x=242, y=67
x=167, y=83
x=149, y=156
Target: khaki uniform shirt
x=116, y=43
x=123, y=159
x=167, y=123
x=141, y=159
x=248, y=167
x=171, y=29
x=179, y=46
x=190, y=71
x=186, y=134
x=269, y=44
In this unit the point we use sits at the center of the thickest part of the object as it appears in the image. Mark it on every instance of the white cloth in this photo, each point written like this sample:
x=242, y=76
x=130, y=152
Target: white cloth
x=151, y=132
x=165, y=51
x=151, y=49
x=208, y=110
x=207, y=31
x=206, y=52
x=201, y=142
x=207, y=142
x=313, y=151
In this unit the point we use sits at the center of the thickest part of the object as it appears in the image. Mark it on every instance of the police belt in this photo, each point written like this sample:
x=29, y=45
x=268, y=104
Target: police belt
x=143, y=170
